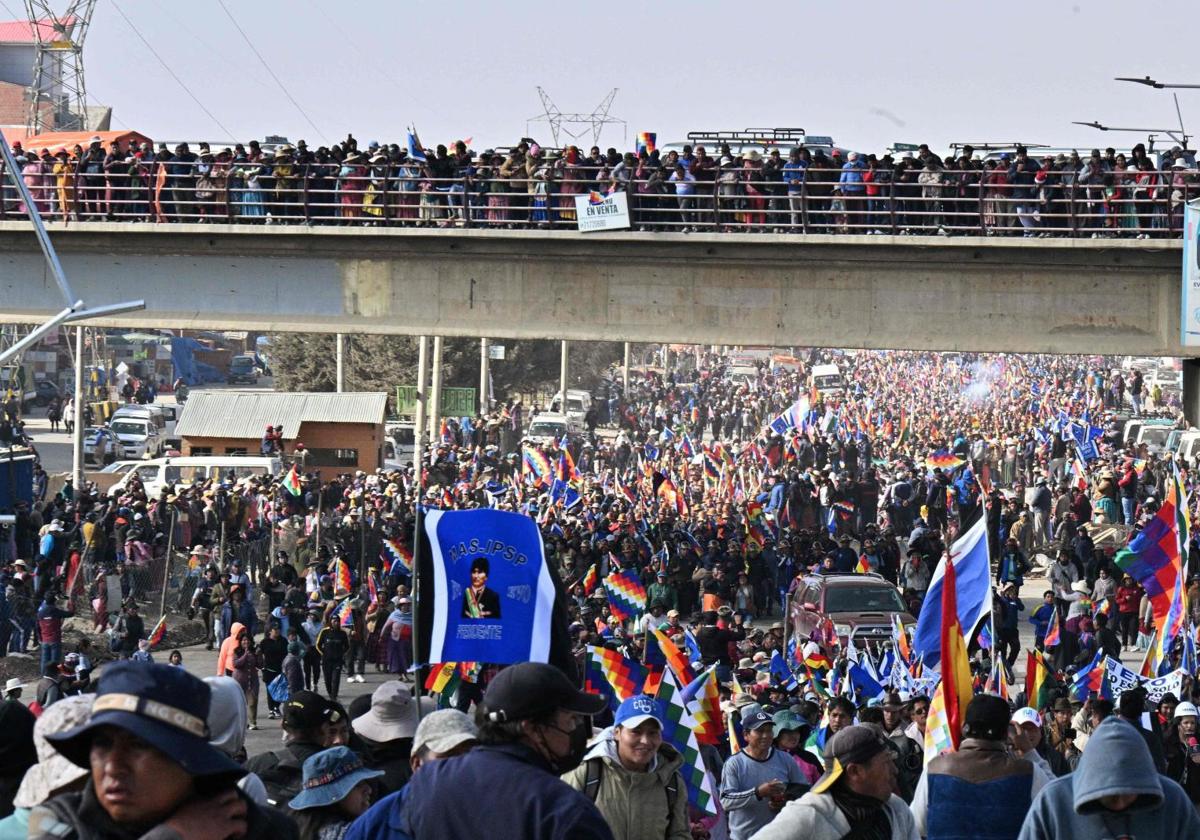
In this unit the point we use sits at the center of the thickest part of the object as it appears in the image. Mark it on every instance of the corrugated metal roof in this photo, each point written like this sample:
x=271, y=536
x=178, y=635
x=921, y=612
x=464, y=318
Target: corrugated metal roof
x=246, y=414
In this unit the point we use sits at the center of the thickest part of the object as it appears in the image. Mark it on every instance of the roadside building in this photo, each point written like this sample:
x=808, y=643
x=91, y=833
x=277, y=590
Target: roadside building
x=339, y=432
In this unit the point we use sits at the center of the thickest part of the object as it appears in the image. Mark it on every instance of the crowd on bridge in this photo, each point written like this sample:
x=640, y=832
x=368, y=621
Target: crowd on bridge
x=719, y=496
x=797, y=189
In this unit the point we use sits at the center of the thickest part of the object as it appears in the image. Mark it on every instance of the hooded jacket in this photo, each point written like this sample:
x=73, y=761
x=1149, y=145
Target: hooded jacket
x=1116, y=760
x=816, y=816
x=227, y=730
x=635, y=804
x=226, y=656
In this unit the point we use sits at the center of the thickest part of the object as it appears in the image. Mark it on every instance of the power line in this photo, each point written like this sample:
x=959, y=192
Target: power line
x=254, y=50
x=166, y=67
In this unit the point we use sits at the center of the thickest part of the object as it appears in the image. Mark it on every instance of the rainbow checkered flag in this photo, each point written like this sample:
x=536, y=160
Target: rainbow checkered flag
x=626, y=596
x=679, y=730
x=612, y=676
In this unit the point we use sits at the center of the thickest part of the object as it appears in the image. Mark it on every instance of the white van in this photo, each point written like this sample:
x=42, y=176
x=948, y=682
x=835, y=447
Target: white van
x=158, y=473
x=139, y=435
x=1189, y=446
x=548, y=427
x=828, y=379
x=579, y=403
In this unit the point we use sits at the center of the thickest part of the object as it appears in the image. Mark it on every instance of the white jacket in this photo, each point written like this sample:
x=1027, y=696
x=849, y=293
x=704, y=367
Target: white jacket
x=815, y=816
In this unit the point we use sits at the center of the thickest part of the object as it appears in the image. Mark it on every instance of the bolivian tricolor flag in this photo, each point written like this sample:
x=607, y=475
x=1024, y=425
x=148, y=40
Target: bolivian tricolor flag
x=956, y=667
x=159, y=632
x=291, y=481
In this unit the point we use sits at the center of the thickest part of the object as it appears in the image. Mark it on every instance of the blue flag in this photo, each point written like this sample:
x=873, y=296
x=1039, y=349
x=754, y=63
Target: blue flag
x=493, y=595
x=866, y=687
x=415, y=150
x=974, y=590
x=781, y=674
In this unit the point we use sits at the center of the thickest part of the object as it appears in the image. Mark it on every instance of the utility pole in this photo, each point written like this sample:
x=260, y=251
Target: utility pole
x=77, y=438
x=419, y=481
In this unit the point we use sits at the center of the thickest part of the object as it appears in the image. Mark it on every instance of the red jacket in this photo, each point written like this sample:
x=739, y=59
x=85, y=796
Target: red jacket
x=1128, y=599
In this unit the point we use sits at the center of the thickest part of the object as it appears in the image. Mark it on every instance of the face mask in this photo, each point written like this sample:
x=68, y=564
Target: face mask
x=578, y=740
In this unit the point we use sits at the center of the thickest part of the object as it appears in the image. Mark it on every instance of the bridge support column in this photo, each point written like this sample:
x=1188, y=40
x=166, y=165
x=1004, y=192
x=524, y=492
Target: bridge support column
x=1191, y=391
x=435, y=396
x=562, y=375
x=484, y=378
x=341, y=362
x=625, y=375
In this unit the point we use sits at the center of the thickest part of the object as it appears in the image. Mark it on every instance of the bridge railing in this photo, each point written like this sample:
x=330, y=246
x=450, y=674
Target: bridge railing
x=745, y=199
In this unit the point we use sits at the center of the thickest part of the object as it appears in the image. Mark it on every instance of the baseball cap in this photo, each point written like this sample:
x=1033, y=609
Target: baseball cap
x=638, y=709
x=443, y=730
x=1026, y=715
x=529, y=689
x=307, y=710
x=756, y=719
x=856, y=744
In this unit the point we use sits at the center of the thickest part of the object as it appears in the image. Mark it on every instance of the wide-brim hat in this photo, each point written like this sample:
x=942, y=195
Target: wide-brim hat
x=329, y=776
x=164, y=706
x=393, y=714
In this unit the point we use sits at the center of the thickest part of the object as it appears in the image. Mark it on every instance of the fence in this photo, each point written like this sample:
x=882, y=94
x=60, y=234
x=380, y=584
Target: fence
x=159, y=584
x=992, y=200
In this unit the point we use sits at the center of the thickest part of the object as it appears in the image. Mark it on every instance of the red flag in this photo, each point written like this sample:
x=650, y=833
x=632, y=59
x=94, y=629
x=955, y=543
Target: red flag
x=956, y=668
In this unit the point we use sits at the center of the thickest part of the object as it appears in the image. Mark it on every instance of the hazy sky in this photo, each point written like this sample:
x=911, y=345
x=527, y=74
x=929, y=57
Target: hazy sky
x=907, y=71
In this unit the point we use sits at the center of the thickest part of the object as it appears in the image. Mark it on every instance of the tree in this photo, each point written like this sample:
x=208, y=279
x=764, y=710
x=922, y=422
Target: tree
x=308, y=362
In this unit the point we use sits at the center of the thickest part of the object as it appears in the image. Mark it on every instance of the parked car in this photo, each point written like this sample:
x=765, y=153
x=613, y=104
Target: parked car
x=243, y=368
x=859, y=606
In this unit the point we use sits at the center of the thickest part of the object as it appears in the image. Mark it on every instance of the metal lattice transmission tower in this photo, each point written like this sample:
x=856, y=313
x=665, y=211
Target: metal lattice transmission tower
x=58, y=96
x=576, y=126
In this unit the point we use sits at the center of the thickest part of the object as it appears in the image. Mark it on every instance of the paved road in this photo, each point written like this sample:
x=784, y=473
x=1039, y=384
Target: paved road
x=203, y=663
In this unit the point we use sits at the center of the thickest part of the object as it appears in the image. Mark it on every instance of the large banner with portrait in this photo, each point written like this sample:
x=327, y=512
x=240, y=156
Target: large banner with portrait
x=493, y=593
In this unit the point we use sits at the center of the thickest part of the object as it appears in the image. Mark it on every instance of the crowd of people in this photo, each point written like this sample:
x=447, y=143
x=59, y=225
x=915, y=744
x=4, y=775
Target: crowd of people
x=809, y=189
x=723, y=495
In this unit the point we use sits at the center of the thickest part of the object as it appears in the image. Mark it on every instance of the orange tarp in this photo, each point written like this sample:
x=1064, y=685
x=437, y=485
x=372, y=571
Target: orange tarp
x=55, y=140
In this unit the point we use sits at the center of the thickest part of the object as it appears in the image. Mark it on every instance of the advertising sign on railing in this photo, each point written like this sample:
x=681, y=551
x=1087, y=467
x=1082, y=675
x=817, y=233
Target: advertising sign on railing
x=1190, y=302
x=456, y=402
x=600, y=212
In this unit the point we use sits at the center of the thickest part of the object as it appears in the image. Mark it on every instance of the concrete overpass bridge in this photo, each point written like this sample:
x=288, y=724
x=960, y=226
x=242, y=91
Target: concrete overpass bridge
x=889, y=292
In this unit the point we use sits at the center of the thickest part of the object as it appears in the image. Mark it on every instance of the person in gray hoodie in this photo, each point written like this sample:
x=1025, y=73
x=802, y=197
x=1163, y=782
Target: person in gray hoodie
x=1115, y=792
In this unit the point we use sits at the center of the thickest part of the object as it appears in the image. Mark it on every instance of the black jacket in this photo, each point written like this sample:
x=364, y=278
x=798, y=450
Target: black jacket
x=78, y=816
x=282, y=771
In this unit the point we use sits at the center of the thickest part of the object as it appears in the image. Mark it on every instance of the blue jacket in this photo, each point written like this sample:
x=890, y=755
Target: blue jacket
x=851, y=179
x=382, y=820
x=498, y=789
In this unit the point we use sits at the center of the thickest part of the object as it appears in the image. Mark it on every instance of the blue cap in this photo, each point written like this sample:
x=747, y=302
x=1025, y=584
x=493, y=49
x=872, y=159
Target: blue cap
x=637, y=710
x=756, y=719
x=329, y=776
x=164, y=706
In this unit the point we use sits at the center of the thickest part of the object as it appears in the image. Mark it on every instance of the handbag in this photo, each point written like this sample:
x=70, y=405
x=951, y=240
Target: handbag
x=278, y=689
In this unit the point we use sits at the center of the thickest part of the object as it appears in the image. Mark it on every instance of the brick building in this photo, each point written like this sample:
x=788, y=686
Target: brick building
x=341, y=432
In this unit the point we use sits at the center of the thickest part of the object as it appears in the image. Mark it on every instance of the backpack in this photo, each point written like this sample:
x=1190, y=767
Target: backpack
x=595, y=772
